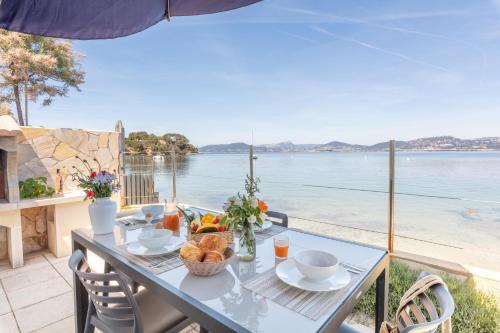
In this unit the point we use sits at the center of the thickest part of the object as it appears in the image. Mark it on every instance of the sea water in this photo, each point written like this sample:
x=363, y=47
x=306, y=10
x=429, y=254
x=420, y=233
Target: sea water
x=449, y=198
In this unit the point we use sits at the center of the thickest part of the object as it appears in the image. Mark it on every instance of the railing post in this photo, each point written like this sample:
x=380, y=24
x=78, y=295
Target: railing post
x=392, y=150
x=121, y=160
x=250, y=156
x=174, y=167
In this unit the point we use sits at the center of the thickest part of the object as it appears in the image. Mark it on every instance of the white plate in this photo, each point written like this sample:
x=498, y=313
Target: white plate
x=265, y=225
x=141, y=218
x=137, y=249
x=288, y=273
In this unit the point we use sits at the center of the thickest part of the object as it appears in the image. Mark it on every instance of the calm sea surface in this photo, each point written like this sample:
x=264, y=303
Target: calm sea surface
x=447, y=197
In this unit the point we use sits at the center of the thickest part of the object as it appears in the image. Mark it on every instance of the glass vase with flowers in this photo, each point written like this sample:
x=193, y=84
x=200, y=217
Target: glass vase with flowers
x=244, y=211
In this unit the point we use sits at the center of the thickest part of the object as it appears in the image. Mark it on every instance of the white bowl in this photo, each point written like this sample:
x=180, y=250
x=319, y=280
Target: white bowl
x=155, y=238
x=316, y=265
x=156, y=210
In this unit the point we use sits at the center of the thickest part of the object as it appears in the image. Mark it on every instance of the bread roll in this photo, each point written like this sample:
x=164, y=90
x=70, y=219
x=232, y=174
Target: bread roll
x=213, y=242
x=191, y=252
x=213, y=256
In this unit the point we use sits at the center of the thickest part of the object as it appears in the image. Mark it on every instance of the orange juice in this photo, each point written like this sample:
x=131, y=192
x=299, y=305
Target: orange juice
x=281, y=250
x=171, y=221
x=281, y=243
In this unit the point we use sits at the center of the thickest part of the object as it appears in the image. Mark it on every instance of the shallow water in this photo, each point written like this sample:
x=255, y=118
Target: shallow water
x=450, y=198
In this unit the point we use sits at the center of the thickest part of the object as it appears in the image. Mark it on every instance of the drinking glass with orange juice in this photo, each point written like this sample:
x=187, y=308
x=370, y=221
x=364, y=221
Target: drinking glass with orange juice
x=171, y=219
x=281, y=243
x=171, y=222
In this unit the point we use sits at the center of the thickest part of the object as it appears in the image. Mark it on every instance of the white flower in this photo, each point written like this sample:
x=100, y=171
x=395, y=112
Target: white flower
x=103, y=178
x=254, y=202
x=238, y=202
x=252, y=219
x=263, y=216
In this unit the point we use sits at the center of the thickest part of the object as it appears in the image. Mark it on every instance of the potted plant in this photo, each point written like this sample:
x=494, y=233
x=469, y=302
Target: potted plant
x=98, y=185
x=35, y=188
x=243, y=212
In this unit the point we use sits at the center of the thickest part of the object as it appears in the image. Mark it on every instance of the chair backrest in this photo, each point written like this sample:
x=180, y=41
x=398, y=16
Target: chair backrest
x=111, y=297
x=128, y=212
x=278, y=218
x=417, y=312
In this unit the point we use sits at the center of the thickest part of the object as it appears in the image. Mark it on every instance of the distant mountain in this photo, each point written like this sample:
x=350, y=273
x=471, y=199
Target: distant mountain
x=443, y=143
x=339, y=146
x=437, y=143
x=225, y=148
x=285, y=146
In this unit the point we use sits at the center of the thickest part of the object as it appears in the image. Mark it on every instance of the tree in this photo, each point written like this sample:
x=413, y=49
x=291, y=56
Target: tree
x=33, y=67
x=143, y=142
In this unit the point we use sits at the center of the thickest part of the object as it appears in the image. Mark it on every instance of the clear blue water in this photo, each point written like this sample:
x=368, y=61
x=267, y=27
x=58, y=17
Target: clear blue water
x=349, y=189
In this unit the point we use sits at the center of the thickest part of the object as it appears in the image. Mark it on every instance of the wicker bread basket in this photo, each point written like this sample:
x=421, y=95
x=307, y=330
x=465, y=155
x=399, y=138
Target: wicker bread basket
x=209, y=268
x=228, y=235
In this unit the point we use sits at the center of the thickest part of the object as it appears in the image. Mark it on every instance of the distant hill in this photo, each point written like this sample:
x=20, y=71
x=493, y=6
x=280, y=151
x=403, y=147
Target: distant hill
x=225, y=148
x=285, y=146
x=437, y=143
x=444, y=143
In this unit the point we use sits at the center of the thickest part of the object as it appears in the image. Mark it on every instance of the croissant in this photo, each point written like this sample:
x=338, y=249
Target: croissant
x=213, y=256
x=191, y=252
x=213, y=242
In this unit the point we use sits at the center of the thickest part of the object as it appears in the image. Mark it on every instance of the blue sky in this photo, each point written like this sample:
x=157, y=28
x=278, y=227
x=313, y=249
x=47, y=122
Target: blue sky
x=359, y=71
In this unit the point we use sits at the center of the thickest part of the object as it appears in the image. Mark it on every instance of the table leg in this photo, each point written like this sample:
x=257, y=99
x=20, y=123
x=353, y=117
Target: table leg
x=107, y=269
x=381, y=298
x=80, y=296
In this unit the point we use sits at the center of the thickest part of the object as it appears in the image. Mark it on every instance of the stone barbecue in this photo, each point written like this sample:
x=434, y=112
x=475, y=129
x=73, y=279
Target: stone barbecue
x=28, y=225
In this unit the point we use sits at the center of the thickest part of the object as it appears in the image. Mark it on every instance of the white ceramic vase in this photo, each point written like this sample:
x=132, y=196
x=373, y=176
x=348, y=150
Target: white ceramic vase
x=102, y=215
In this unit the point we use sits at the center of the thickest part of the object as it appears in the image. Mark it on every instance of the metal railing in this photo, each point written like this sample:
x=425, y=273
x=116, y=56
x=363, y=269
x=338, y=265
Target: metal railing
x=405, y=233
x=139, y=189
x=392, y=170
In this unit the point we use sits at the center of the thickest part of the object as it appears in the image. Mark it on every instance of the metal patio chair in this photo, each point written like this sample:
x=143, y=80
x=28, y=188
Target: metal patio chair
x=277, y=218
x=115, y=309
x=417, y=312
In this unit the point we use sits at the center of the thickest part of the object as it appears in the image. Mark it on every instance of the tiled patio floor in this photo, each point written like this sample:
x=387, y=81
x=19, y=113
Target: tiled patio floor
x=38, y=297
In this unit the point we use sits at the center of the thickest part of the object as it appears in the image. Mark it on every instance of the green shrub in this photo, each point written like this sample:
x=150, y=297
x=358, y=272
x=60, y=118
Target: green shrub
x=35, y=188
x=475, y=311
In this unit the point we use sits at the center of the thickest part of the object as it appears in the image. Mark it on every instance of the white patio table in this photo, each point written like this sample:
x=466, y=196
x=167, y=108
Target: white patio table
x=221, y=303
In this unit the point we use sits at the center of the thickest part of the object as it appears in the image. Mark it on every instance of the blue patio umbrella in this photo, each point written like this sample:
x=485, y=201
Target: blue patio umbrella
x=98, y=19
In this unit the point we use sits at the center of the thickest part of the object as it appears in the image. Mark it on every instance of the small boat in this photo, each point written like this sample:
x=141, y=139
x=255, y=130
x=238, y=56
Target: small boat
x=158, y=157
x=254, y=157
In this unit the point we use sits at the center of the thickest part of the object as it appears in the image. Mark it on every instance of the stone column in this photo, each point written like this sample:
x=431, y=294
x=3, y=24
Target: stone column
x=12, y=181
x=15, y=241
x=12, y=220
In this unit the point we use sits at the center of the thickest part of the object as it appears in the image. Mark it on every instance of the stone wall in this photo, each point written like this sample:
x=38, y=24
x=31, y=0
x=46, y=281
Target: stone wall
x=41, y=151
x=34, y=227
